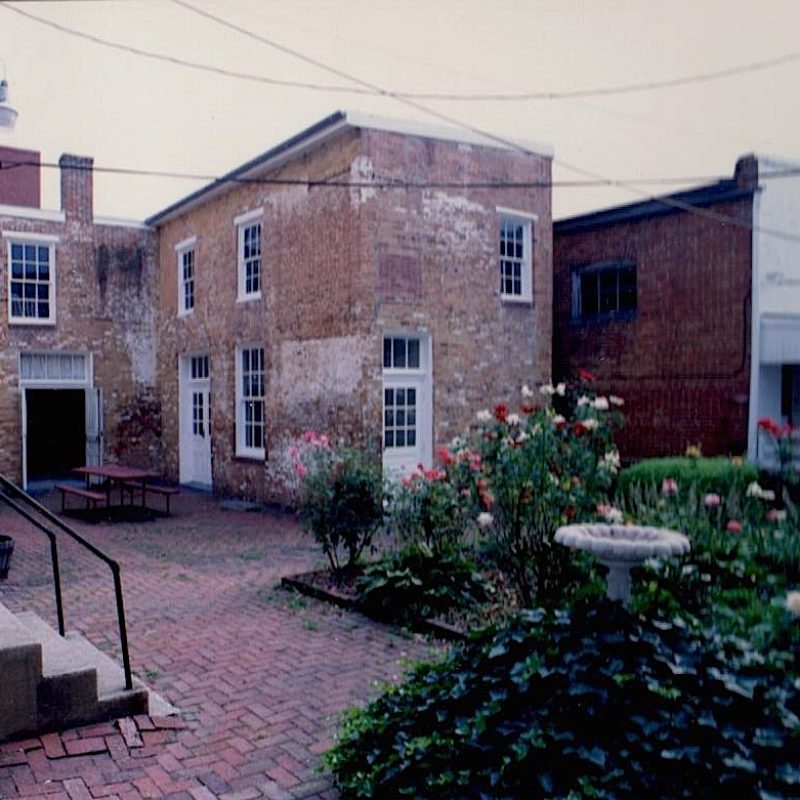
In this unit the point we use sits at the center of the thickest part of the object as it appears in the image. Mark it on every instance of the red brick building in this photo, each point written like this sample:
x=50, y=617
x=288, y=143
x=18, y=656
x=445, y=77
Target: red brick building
x=364, y=278
x=77, y=335
x=656, y=302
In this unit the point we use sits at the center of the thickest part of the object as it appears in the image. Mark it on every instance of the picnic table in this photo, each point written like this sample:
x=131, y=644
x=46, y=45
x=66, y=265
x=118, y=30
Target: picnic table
x=129, y=480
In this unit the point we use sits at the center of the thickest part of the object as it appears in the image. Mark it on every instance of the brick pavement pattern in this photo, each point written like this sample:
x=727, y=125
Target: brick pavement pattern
x=259, y=674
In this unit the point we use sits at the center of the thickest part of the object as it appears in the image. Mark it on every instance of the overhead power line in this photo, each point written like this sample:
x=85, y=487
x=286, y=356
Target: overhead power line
x=628, y=187
x=500, y=97
x=388, y=183
x=367, y=87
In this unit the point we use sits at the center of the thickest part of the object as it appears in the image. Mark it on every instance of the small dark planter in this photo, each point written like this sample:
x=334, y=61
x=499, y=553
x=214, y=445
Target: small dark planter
x=6, y=549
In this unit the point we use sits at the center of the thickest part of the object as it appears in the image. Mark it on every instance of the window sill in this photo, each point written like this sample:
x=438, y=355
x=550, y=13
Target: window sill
x=250, y=458
x=19, y=323
x=516, y=301
x=247, y=298
x=188, y=313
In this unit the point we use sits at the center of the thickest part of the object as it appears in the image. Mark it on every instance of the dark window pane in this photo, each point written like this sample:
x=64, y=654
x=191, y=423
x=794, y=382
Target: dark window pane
x=589, y=305
x=412, y=397
x=399, y=346
x=400, y=418
x=387, y=352
x=388, y=439
x=411, y=438
x=388, y=397
x=388, y=418
x=400, y=438
x=413, y=353
x=400, y=397
x=16, y=252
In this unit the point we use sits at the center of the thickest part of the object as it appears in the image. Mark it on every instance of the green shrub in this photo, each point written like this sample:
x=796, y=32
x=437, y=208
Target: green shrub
x=341, y=498
x=719, y=475
x=598, y=704
x=541, y=469
x=417, y=582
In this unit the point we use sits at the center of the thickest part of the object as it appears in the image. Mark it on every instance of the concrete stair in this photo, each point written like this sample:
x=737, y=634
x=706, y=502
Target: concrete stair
x=49, y=683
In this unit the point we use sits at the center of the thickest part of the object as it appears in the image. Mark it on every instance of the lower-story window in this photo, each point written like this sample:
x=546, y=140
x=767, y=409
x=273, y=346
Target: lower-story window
x=250, y=403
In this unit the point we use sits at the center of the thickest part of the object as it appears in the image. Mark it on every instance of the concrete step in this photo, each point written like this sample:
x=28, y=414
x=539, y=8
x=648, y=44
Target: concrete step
x=75, y=683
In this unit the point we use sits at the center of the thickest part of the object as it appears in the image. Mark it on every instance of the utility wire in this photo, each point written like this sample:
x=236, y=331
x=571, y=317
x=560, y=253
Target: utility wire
x=570, y=94
x=366, y=87
x=628, y=187
x=333, y=183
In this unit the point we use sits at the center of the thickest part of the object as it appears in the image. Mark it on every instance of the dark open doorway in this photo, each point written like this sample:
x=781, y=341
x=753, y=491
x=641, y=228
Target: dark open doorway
x=56, y=431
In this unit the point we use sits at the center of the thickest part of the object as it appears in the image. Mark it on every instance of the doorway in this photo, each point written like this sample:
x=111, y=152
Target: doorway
x=56, y=431
x=194, y=382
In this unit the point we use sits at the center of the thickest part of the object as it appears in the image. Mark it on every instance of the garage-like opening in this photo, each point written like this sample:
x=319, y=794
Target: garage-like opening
x=56, y=431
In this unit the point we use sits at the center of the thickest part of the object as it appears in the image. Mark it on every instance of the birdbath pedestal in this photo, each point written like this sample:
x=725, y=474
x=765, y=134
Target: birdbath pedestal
x=620, y=548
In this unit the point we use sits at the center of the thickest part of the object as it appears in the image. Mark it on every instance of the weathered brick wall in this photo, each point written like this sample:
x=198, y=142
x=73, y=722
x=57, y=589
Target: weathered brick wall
x=104, y=306
x=19, y=177
x=438, y=266
x=340, y=266
x=682, y=363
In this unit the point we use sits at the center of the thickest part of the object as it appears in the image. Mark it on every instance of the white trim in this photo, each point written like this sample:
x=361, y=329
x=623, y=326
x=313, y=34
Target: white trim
x=38, y=239
x=526, y=290
x=248, y=216
x=45, y=215
x=249, y=220
x=241, y=450
x=186, y=244
x=755, y=333
x=515, y=212
x=62, y=383
x=121, y=222
x=188, y=247
x=27, y=236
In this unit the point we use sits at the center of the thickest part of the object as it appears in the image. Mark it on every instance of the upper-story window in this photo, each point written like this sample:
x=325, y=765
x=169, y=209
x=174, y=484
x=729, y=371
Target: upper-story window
x=249, y=255
x=516, y=256
x=31, y=267
x=186, y=275
x=604, y=291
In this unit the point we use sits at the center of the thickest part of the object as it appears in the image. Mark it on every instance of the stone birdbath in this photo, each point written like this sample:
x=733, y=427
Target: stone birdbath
x=620, y=548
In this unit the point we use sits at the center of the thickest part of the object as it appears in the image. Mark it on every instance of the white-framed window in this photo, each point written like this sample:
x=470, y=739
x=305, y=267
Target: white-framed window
x=52, y=368
x=249, y=273
x=31, y=268
x=404, y=385
x=250, y=402
x=606, y=290
x=515, y=239
x=186, y=275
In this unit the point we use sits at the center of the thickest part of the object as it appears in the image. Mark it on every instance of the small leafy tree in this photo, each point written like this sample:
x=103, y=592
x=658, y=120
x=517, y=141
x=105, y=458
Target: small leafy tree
x=341, y=498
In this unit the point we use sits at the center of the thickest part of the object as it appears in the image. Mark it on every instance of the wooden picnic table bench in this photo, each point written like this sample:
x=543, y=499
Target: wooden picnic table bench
x=92, y=498
x=150, y=488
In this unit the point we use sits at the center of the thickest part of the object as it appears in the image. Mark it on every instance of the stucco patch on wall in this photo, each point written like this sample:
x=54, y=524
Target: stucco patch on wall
x=308, y=368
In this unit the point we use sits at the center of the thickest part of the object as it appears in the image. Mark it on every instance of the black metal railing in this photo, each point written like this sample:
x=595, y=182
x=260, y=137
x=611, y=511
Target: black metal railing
x=16, y=499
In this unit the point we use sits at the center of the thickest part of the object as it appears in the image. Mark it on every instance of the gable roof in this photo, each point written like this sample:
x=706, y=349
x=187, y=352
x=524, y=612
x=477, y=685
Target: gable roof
x=321, y=131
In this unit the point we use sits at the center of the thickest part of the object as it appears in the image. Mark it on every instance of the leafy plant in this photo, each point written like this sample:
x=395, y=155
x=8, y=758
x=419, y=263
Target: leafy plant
x=598, y=703
x=341, y=498
x=417, y=582
x=542, y=469
x=436, y=507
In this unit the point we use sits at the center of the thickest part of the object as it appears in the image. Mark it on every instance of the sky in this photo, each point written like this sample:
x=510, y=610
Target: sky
x=132, y=112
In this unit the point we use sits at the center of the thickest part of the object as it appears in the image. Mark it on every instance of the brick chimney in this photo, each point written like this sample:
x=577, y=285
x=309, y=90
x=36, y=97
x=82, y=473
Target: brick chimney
x=746, y=172
x=76, y=187
x=19, y=177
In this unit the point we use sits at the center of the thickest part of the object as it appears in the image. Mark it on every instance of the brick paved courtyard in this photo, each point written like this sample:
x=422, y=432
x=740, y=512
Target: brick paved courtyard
x=259, y=674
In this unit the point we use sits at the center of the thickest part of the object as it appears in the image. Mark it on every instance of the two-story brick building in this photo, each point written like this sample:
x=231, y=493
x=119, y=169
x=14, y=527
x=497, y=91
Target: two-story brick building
x=366, y=278
x=689, y=307
x=77, y=333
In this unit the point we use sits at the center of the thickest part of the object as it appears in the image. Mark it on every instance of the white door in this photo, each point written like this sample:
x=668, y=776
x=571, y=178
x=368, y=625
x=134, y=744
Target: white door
x=94, y=426
x=195, y=427
x=407, y=418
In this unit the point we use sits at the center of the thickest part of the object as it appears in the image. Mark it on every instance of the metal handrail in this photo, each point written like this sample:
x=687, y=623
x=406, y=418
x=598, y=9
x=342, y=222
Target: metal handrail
x=11, y=488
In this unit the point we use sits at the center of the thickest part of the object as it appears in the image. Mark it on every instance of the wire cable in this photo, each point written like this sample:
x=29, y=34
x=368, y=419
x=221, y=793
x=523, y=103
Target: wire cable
x=522, y=96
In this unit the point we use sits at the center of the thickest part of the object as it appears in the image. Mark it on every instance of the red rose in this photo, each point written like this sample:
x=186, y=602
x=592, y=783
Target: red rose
x=586, y=376
x=734, y=526
x=501, y=412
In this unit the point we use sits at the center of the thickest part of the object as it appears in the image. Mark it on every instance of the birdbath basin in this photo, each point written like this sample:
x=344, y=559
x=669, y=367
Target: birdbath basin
x=620, y=548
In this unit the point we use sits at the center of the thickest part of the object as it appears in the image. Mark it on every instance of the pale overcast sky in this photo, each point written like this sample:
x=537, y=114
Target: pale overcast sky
x=127, y=111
